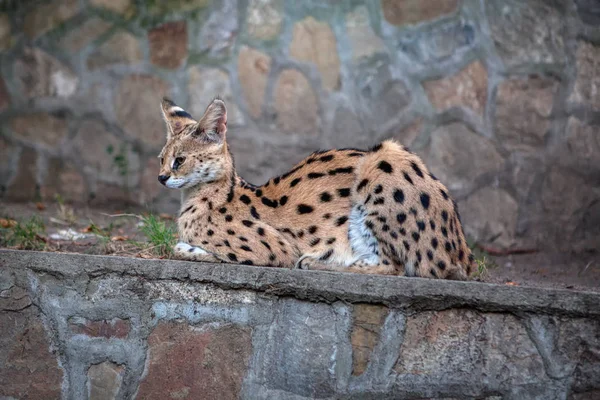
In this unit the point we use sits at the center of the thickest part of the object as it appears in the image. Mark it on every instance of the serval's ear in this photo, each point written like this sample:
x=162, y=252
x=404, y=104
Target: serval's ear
x=177, y=118
x=213, y=124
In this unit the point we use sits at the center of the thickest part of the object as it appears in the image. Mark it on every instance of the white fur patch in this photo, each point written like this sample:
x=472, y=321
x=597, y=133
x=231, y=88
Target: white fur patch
x=363, y=243
x=176, y=109
x=183, y=247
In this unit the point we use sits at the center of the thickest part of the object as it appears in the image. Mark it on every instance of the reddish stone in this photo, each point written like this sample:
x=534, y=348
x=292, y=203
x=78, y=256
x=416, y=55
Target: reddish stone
x=367, y=322
x=187, y=362
x=4, y=96
x=28, y=367
x=399, y=12
x=115, y=328
x=168, y=44
x=24, y=187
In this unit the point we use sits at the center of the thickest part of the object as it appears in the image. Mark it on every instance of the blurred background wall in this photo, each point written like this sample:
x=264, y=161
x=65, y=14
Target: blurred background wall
x=500, y=97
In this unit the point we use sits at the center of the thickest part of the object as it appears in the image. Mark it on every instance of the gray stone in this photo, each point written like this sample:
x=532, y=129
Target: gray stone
x=527, y=32
x=121, y=48
x=41, y=75
x=295, y=361
x=362, y=38
x=589, y=11
x=582, y=149
x=45, y=17
x=296, y=104
x=579, y=341
x=104, y=381
x=123, y=7
x=490, y=216
x=5, y=32
x=587, y=84
x=81, y=36
x=437, y=43
x=206, y=83
x=523, y=111
x=264, y=18
x=382, y=96
x=217, y=35
x=40, y=128
x=253, y=70
x=416, y=11
x=457, y=156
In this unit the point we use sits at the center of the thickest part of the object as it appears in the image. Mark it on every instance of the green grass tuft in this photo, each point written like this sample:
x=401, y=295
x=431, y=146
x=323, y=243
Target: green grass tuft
x=162, y=237
x=26, y=235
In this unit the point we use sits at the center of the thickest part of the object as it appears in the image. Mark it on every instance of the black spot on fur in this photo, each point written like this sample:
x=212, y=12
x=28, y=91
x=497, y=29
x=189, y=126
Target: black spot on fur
x=385, y=227
x=326, y=158
x=222, y=210
x=326, y=216
x=416, y=236
x=245, y=199
x=444, y=194
x=418, y=253
x=331, y=240
x=421, y=225
x=315, y=242
x=408, y=178
x=186, y=210
x=210, y=232
x=394, y=235
x=432, y=224
x=276, y=181
x=429, y=255
x=254, y=213
x=433, y=273
x=230, y=232
x=260, y=231
x=441, y=265
x=232, y=257
x=434, y=243
x=312, y=229
x=378, y=189
x=247, y=223
x=416, y=168
x=401, y=218
x=369, y=224
x=379, y=201
x=315, y=175
x=326, y=255
x=246, y=248
x=258, y=193
x=345, y=170
x=385, y=167
x=272, y=257
x=267, y=245
x=376, y=148
x=247, y=262
x=406, y=245
x=283, y=200
x=341, y=221
x=344, y=192
x=268, y=202
x=444, y=231
x=448, y=246
x=425, y=200
x=304, y=209
x=242, y=238
x=445, y=215
x=325, y=197
x=362, y=184
x=295, y=182
x=399, y=196
x=461, y=255
x=228, y=218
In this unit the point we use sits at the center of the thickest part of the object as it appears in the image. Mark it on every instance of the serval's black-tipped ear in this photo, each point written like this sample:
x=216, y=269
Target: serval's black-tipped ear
x=175, y=117
x=213, y=124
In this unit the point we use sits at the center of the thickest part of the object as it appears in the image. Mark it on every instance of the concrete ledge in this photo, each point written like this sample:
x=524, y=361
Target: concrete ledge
x=399, y=292
x=74, y=326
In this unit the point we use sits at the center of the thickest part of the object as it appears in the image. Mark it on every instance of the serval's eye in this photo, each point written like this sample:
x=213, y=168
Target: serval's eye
x=178, y=161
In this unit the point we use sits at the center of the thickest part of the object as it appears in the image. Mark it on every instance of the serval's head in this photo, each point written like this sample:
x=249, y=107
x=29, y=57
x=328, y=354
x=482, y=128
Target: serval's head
x=195, y=151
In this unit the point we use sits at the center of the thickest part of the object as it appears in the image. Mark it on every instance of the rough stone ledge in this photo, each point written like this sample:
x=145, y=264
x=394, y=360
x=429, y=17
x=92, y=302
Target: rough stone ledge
x=413, y=294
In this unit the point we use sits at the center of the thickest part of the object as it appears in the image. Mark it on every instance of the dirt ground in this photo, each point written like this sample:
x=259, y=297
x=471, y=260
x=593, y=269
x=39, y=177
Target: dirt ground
x=121, y=235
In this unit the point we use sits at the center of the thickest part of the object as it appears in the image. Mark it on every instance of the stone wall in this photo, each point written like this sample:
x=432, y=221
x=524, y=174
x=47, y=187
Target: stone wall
x=501, y=97
x=89, y=327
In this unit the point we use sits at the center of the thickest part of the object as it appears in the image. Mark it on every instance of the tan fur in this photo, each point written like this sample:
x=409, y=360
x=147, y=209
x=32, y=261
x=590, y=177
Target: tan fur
x=308, y=218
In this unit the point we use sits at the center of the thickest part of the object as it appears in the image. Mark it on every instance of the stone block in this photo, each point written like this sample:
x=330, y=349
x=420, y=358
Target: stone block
x=84, y=34
x=579, y=341
x=9, y=157
x=582, y=148
x=150, y=188
x=253, y=71
x=401, y=12
x=29, y=368
x=206, y=83
x=347, y=130
x=123, y=7
x=218, y=34
x=300, y=357
x=490, y=216
x=462, y=347
x=467, y=88
x=45, y=17
x=457, y=156
x=407, y=135
x=24, y=185
x=363, y=40
x=187, y=362
x=366, y=328
x=169, y=44
x=314, y=42
x=4, y=96
x=586, y=90
x=448, y=41
x=113, y=328
x=264, y=19
x=523, y=111
x=589, y=11
x=135, y=106
x=41, y=75
x=165, y=7
x=6, y=39
x=527, y=31
x=296, y=104
x=104, y=381
x=121, y=48
x=382, y=96
x=40, y=128
x=14, y=298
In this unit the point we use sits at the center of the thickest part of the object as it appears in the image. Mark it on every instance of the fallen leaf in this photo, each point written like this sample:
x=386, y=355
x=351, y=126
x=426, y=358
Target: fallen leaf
x=165, y=216
x=40, y=206
x=88, y=229
x=511, y=283
x=7, y=223
x=119, y=238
